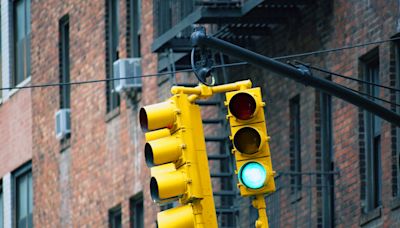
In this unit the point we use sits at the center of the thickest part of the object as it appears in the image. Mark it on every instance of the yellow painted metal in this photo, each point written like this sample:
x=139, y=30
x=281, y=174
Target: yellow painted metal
x=259, y=204
x=269, y=184
x=160, y=169
x=165, y=185
x=178, y=141
x=158, y=116
x=258, y=115
x=250, y=140
x=163, y=150
x=152, y=135
x=203, y=91
x=182, y=216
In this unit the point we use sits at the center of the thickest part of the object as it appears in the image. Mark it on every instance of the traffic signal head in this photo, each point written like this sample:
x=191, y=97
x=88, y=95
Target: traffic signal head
x=166, y=183
x=177, y=159
x=243, y=106
x=252, y=175
x=182, y=216
x=163, y=150
x=250, y=141
x=158, y=116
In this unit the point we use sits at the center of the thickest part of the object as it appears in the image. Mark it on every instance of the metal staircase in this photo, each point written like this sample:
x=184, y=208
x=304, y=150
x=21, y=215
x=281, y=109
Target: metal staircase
x=220, y=161
x=219, y=153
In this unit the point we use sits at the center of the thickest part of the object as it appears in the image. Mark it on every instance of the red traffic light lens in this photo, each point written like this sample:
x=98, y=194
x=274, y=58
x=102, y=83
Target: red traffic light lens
x=242, y=106
x=247, y=140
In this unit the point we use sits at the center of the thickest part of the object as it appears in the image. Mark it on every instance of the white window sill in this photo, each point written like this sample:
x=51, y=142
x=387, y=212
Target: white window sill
x=21, y=84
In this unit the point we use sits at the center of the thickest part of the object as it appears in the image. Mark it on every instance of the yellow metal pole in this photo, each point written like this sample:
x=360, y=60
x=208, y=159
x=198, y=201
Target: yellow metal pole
x=203, y=91
x=259, y=203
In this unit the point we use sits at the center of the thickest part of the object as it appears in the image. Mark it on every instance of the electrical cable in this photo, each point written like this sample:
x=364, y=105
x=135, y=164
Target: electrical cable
x=190, y=70
x=356, y=91
x=346, y=77
x=94, y=81
x=371, y=96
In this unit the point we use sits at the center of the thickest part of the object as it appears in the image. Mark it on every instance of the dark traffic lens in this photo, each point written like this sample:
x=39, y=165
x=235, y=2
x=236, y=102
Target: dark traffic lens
x=242, y=106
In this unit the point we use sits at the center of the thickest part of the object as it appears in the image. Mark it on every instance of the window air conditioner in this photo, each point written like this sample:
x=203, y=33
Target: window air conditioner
x=63, y=123
x=125, y=68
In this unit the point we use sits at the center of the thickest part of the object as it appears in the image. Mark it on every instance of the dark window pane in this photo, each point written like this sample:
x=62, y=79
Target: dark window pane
x=136, y=211
x=1, y=208
x=295, y=151
x=135, y=27
x=1, y=77
x=112, y=45
x=372, y=142
x=115, y=218
x=64, y=63
x=327, y=158
x=398, y=128
x=22, y=65
x=24, y=200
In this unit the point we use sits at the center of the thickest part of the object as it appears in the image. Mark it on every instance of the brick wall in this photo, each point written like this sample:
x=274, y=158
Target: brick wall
x=103, y=167
x=328, y=25
x=16, y=131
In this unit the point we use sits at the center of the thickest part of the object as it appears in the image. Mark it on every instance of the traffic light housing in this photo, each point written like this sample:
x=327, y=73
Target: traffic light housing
x=250, y=141
x=175, y=152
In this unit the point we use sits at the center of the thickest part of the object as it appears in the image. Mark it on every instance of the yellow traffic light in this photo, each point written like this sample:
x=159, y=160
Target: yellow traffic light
x=175, y=152
x=250, y=142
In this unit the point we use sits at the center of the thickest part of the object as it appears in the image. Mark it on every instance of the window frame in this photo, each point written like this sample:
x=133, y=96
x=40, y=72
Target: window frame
x=64, y=61
x=1, y=205
x=112, y=52
x=25, y=169
x=397, y=109
x=26, y=58
x=295, y=146
x=372, y=134
x=1, y=59
x=133, y=213
x=113, y=214
x=327, y=161
x=134, y=28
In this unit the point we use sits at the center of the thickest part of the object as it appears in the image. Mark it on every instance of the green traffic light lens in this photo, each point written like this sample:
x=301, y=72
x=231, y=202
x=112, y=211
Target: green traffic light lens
x=253, y=175
x=247, y=140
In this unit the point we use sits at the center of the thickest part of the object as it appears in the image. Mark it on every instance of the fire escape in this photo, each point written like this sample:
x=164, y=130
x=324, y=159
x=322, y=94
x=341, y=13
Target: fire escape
x=236, y=21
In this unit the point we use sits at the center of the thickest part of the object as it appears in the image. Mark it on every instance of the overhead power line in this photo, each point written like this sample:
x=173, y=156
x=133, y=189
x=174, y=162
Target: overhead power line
x=350, y=78
x=346, y=77
x=190, y=70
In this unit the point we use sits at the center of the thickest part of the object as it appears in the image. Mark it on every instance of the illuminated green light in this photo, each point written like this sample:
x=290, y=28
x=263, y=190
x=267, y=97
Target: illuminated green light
x=253, y=175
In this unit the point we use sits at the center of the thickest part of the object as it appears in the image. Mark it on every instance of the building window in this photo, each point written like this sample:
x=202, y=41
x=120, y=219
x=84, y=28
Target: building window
x=64, y=62
x=1, y=207
x=372, y=142
x=22, y=33
x=327, y=165
x=112, y=54
x=295, y=150
x=115, y=217
x=396, y=153
x=23, y=197
x=1, y=64
x=134, y=27
x=136, y=212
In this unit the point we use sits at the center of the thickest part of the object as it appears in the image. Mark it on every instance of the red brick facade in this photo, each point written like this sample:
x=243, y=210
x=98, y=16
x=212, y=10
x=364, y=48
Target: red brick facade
x=103, y=167
x=104, y=164
x=16, y=131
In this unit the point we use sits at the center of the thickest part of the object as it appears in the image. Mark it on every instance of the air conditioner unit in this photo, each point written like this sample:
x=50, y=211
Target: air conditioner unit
x=124, y=70
x=63, y=123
